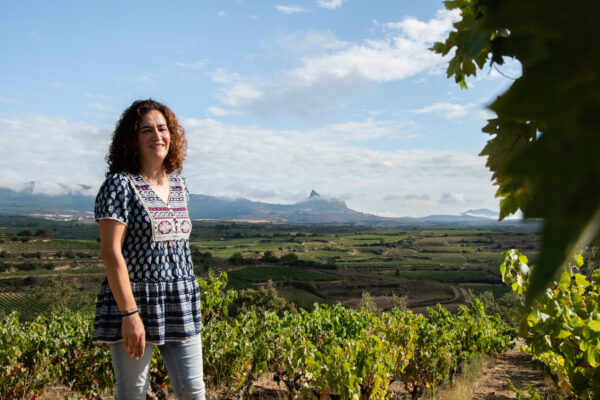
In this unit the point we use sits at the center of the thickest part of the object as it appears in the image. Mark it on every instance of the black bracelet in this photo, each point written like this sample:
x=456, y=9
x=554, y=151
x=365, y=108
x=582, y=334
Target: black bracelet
x=128, y=313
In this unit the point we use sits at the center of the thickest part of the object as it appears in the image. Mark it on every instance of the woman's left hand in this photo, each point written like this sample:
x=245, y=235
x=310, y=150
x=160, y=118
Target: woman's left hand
x=134, y=335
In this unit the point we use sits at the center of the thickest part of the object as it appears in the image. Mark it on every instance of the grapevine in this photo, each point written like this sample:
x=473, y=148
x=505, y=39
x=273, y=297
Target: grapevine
x=563, y=329
x=332, y=352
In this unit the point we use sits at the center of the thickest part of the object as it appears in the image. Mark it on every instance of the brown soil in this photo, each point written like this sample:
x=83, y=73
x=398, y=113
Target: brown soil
x=520, y=369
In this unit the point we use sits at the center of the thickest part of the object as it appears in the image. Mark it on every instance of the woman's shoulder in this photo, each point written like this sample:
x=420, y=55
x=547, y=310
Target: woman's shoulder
x=114, y=198
x=118, y=177
x=117, y=181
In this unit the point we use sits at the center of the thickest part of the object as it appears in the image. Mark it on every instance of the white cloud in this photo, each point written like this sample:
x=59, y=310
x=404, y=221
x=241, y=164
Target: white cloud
x=430, y=31
x=52, y=151
x=240, y=94
x=362, y=131
x=300, y=44
x=219, y=111
x=407, y=197
x=263, y=164
x=10, y=100
x=57, y=85
x=238, y=91
x=102, y=107
x=275, y=166
x=331, y=69
x=146, y=80
x=395, y=58
x=99, y=97
x=222, y=76
x=289, y=9
x=509, y=71
x=452, y=198
x=196, y=66
x=451, y=203
x=449, y=110
x=221, y=13
x=330, y=4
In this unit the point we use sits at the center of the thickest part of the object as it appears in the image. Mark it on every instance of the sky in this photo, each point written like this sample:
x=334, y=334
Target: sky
x=277, y=98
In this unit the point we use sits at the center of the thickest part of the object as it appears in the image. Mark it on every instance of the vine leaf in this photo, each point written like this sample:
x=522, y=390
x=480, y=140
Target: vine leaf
x=544, y=153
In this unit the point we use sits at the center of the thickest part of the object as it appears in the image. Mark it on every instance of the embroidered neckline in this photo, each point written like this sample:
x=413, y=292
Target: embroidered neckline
x=169, y=221
x=153, y=191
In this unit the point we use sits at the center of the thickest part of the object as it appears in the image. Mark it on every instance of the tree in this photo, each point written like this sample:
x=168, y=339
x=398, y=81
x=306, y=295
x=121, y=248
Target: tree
x=41, y=232
x=545, y=137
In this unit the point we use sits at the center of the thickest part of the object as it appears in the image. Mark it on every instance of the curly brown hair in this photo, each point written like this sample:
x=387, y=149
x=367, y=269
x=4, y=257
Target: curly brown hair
x=123, y=154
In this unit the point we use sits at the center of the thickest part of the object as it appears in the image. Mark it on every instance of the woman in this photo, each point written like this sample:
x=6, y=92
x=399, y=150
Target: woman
x=150, y=296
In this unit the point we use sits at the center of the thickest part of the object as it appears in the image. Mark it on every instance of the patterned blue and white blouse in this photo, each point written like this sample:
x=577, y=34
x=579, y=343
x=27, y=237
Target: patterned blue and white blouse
x=158, y=258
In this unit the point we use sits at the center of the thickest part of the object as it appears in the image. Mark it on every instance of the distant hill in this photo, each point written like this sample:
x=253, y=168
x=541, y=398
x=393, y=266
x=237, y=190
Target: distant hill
x=315, y=209
x=66, y=206
x=481, y=213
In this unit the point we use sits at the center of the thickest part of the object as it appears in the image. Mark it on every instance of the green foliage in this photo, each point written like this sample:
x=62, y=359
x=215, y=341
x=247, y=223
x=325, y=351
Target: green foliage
x=280, y=273
x=268, y=256
x=203, y=259
x=563, y=329
x=445, y=340
x=260, y=300
x=57, y=348
x=504, y=305
x=239, y=259
x=215, y=300
x=289, y=259
x=543, y=153
x=237, y=351
x=25, y=304
x=328, y=353
x=531, y=393
x=61, y=293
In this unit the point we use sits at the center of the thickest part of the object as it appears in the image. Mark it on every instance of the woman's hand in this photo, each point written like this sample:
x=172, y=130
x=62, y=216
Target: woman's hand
x=134, y=335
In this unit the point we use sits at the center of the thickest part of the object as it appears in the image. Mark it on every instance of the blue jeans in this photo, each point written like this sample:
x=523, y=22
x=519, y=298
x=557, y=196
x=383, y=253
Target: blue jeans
x=183, y=361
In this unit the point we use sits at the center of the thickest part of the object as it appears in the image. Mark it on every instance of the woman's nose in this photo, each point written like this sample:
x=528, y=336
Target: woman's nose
x=155, y=133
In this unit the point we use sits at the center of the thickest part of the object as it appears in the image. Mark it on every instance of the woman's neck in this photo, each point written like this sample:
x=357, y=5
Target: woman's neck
x=153, y=175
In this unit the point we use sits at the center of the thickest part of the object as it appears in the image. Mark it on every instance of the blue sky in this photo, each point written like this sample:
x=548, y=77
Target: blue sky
x=277, y=98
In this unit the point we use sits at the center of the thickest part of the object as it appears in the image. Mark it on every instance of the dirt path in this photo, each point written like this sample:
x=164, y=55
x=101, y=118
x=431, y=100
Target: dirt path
x=521, y=371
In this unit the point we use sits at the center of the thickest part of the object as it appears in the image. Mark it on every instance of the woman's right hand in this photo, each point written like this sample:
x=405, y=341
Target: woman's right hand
x=134, y=335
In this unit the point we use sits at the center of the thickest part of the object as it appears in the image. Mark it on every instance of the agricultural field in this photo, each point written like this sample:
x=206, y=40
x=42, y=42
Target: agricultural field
x=306, y=264
x=424, y=266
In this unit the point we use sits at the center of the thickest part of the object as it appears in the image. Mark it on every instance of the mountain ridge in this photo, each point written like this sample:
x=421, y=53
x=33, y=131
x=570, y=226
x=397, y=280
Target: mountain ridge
x=313, y=209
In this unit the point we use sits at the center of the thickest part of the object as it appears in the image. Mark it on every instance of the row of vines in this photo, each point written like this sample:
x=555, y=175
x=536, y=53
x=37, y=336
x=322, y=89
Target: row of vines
x=330, y=353
x=562, y=328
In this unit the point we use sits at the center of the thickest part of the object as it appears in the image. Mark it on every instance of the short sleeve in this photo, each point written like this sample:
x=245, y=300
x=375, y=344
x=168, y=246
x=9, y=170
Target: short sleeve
x=114, y=199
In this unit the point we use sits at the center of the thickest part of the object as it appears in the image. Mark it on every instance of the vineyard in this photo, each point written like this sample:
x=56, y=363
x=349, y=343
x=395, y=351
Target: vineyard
x=307, y=264
x=330, y=343
x=332, y=352
x=20, y=302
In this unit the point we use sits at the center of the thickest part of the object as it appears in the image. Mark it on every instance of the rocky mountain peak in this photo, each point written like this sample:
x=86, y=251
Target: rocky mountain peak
x=314, y=195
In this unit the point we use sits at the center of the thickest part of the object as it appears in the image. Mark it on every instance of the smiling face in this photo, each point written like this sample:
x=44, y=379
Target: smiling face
x=153, y=139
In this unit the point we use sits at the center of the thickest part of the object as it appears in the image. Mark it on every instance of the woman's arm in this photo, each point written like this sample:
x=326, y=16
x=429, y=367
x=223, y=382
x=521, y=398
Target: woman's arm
x=112, y=235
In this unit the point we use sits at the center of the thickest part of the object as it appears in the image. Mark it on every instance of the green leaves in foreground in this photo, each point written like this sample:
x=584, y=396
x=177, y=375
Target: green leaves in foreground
x=544, y=151
x=329, y=353
x=563, y=331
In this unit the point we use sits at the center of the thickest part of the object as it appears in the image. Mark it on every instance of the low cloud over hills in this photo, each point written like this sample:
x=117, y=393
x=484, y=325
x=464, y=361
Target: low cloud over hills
x=314, y=209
